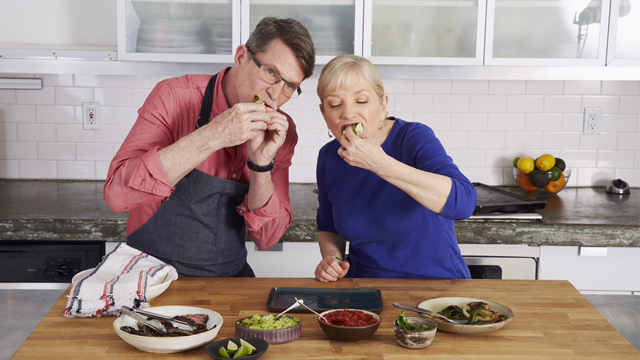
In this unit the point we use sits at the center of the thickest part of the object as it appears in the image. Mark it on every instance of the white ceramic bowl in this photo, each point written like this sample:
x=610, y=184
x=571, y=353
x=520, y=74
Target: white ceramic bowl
x=152, y=292
x=170, y=344
x=437, y=304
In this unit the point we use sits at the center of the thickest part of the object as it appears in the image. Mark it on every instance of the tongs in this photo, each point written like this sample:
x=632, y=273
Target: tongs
x=183, y=325
x=427, y=312
x=154, y=325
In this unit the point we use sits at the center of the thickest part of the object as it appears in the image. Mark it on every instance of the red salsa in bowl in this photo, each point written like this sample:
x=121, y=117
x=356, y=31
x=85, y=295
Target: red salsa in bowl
x=350, y=318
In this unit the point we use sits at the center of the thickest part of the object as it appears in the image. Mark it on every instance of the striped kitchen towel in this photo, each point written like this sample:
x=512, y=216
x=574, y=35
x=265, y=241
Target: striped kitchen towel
x=121, y=279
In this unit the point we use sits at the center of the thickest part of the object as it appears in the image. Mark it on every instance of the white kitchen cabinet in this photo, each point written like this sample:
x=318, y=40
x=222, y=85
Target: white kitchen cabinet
x=547, y=32
x=335, y=26
x=624, y=46
x=424, y=32
x=178, y=31
x=592, y=269
x=297, y=259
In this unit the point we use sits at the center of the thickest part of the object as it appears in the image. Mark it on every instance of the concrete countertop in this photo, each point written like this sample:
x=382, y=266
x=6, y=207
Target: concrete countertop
x=75, y=210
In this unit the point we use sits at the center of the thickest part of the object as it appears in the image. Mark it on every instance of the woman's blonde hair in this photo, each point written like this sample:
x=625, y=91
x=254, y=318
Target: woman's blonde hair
x=342, y=70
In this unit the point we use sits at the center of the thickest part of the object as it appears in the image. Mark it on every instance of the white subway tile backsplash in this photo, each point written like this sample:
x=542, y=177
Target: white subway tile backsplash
x=543, y=122
x=488, y=103
x=482, y=124
x=84, y=170
x=38, y=169
x=56, y=151
x=7, y=96
x=46, y=96
x=582, y=87
x=525, y=103
x=621, y=87
x=15, y=150
x=8, y=132
x=414, y=103
x=93, y=81
x=507, y=87
x=468, y=121
x=539, y=87
x=36, y=132
x=615, y=159
x=9, y=169
x=73, y=96
x=49, y=114
x=113, y=97
x=631, y=176
x=603, y=141
x=469, y=87
x=562, y=104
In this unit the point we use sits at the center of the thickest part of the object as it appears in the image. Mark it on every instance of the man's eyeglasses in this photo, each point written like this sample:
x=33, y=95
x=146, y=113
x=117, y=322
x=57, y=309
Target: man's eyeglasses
x=272, y=77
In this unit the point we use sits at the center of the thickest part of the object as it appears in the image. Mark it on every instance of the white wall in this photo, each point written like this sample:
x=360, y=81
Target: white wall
x=482, y=124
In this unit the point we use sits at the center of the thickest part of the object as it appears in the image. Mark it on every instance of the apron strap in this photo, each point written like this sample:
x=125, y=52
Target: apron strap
x=207, y=103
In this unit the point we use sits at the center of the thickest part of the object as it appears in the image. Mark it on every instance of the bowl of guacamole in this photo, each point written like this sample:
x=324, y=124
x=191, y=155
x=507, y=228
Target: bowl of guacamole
x=269, y=328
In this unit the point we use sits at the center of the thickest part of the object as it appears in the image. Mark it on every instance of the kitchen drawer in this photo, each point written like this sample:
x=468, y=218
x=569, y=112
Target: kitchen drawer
x=592, y=268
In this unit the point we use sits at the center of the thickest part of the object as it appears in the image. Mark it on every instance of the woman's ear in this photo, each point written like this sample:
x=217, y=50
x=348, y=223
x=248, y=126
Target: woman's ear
x=322, y=111
x=385, y=103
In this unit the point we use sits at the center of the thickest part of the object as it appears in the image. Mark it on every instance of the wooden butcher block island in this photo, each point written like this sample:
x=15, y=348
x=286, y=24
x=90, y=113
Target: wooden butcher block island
x=552, y=320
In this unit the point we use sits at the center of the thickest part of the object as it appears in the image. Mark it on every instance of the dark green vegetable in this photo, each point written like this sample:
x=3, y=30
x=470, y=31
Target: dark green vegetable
x=404, y=324
x=453, y=312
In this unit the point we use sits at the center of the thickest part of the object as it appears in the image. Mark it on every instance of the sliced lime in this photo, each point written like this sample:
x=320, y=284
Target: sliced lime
x=242, y=352
x=223, y=353
x=250, y=348
x=231, y=348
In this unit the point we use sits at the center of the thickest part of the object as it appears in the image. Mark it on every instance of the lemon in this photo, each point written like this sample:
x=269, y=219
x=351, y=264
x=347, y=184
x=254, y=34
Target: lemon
x=545, y=162
x=231, y=348
x=223, y=353
x=250, y=348
x=242, y=352
x=515, y=161
x=526, y=165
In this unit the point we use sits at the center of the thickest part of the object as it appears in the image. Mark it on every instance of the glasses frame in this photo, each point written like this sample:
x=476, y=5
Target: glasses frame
x=260, y=66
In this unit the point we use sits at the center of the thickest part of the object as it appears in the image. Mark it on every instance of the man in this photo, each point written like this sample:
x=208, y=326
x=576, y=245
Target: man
x=203, y=163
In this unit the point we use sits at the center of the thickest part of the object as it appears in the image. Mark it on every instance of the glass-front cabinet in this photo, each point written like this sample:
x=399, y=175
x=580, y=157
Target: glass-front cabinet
x=334, y=25
x=424, y=32
x=624, y=34
x=178, y=31
x=547, y=32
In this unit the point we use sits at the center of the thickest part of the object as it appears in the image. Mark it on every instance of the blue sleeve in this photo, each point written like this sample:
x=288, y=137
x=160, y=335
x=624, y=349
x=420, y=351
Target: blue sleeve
x=430, y=155
x=324, y=215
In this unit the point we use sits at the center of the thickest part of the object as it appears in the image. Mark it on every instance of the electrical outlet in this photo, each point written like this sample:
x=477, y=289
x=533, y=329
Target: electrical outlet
x=591, y=121
x=91, y=116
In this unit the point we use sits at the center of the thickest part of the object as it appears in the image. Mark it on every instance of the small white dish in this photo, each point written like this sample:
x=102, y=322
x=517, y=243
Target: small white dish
x=152, y=292
x=170, y=344
x=437, y=304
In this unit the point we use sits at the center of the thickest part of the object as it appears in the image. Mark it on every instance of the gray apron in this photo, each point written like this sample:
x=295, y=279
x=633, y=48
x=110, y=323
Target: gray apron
x=198, y=229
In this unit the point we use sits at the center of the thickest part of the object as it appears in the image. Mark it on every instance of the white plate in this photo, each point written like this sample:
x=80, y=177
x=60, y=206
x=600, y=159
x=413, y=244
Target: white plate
x=152, y=292
x=170, y=344
x=437, y=304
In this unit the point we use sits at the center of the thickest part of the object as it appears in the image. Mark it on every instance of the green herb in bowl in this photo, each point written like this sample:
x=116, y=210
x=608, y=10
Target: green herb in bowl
x=404, y=324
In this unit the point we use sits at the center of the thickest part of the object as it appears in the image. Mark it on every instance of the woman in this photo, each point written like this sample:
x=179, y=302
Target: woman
x=390, y=191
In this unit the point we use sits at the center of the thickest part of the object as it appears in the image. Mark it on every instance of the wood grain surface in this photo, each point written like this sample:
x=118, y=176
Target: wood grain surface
x=552, y=321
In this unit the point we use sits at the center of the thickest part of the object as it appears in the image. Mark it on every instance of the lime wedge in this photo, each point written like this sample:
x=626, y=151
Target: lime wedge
x=223, y=353
x=250, y=348
x=242, y=352
x=231, y=348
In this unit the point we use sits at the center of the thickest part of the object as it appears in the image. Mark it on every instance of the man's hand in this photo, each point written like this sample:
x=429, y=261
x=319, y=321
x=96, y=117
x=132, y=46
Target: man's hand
x=263, y=146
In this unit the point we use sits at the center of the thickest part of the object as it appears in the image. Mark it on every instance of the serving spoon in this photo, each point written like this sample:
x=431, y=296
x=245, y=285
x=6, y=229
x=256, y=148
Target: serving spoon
x=310, y=309
x=427, y=312
x=290, y=307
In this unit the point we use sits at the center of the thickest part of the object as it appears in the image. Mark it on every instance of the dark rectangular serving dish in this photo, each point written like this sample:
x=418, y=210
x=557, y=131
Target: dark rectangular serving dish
x=492, y=199
x=280, y=298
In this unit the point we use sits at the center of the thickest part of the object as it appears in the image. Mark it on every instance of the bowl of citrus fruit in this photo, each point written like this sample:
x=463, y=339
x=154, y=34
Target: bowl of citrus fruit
x=546, y=173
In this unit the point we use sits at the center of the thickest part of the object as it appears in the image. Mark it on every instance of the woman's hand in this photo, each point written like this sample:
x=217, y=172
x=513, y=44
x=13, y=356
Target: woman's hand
x=331, y=269
x=361, y=151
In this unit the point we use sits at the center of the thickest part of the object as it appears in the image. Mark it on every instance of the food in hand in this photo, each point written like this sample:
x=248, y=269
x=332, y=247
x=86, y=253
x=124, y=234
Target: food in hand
x=402, y=323
x=258, y=100
x=476, y=313
x=199, y=320
x=350, y=318
x=268, y=322
x=357, y=128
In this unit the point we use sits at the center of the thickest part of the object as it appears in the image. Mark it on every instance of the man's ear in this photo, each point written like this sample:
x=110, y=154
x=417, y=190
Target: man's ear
x=241, y=55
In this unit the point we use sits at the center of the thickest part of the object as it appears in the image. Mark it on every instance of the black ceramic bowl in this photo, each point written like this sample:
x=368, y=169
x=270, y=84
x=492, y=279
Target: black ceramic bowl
x=260, y=345
x=349, y=333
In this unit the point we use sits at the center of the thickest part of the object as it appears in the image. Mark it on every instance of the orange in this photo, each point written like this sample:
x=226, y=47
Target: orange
x=555, y=186
x=523, y=181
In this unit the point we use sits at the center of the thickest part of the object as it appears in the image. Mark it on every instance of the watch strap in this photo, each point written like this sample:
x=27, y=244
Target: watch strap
x=258, y=168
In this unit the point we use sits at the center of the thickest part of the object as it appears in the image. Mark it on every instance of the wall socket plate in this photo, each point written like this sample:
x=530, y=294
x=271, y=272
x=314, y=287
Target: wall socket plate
x=91, y=116
x=591, y=121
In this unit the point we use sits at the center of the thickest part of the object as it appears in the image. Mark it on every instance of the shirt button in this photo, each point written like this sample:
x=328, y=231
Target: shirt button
x=233, y=176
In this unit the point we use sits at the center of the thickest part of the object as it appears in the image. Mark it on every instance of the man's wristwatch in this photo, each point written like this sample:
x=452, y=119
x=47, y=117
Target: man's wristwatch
x=257, y=168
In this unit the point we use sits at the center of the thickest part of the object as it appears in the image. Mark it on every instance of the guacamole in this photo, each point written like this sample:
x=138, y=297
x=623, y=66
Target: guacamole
x=268, y=322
